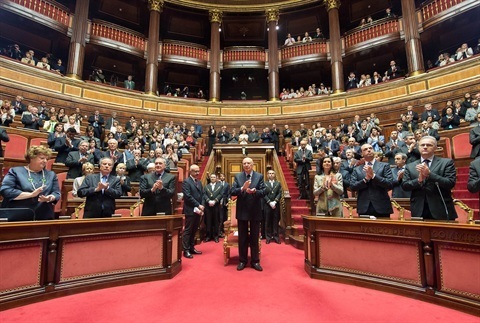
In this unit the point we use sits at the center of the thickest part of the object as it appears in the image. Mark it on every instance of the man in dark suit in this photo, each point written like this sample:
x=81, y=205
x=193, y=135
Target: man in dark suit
x=397, y=173
x=253, y=135
x=77, y=158
x=372, y=181
x=430, y=112
x=273, y=195
x=65, y=144
x=18, y=106
x=129, y=83
x=212, y=195
x=393, y=147
x=412, y=113
x=157, y=189
x=193, y=209
x=346, y=169
x=303, y=157
x=114, y=154
x=473, y=184
x=249, y=188
x=223, y=214
x=96, y=121
x=223, y=136
x=352, y=144
x=475, y=139
x=275, y=133
x=3, y=137
x=427, y=130
x=31, y=119
x=101, y=190
x=136, y=166
x=431, y=180
x=331, y=145
x=111, y=120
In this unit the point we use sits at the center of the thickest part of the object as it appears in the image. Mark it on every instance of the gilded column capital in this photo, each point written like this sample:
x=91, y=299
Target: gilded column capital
x=155, y=5
x=272, y=15
x=331, y=4
x=215, y=15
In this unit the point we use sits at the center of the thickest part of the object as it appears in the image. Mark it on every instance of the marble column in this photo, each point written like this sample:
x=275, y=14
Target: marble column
x=76, y=53
x=332, y=7
x=151, y=74
x=273, y=79
x=215, y=17
x=413, y=44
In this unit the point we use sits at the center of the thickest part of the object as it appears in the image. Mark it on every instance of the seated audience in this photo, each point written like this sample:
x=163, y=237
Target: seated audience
x=290, y=40
x=58, y=67
x=306, y=38
x=28, y=59
x=450, y=120
x=44, y=64
x=463, y=52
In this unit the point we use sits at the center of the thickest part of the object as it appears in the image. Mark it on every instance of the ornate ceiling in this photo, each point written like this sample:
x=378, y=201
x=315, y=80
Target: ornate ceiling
x=242, y=5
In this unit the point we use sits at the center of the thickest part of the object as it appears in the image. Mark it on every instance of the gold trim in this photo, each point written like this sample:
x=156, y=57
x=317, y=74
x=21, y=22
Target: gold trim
x=274, y=99
x=150, y=93
x=272, y=15
x=331, y=4
x=155, y=5
x=246, y=6
x=338, y=92
x=214, y=100
x=417, y=73
x=215, y=15
x=74, y=76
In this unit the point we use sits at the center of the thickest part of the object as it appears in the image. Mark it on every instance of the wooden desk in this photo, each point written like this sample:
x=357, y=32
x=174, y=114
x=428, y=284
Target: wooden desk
x=434, y=261
x=62, y=257
x=121, y=203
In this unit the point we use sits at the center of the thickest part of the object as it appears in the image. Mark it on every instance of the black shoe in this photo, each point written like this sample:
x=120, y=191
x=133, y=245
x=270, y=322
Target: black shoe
x=207, y=239
x=195, y=251
x=216, y=239
x=222, y=235
x=268, y=241
x=257, y=267
x=187, y=254
x=277, y=240
x=241, y=266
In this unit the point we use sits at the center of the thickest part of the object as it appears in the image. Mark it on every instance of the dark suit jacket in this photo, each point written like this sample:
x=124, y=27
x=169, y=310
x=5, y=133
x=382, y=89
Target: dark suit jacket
x=214, y=194
x=443, y=176
x=433, y=113
x=3, y=137
x=303, y=166
x=95, y=200
x=160, y=200
x=475, y=141
x=27, y=120
x=223, y=137
x=375, y=190
x=473, y=184
x=398, y=191
x=73, y=164
x=335, y=147
x=135, y=171
x=192, y=196
x=391, y=152
x=62, y=149
x=249, y=206
x=272, y=194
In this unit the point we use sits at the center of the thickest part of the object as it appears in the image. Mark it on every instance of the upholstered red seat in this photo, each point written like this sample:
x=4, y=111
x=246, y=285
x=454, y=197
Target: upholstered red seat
x=461, y=145
x=16, y=147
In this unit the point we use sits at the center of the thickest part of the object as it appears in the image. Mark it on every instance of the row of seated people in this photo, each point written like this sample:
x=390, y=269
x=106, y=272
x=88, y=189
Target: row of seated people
x=462, y=52
x=47, y=62
x=317, y=35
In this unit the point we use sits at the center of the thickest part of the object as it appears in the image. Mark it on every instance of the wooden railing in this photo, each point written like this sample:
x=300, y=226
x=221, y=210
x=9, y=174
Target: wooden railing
x=118, y=33
x=303, y=49
x=184, y=49
x=368, y=32
x=247, y=53
x=50, y=9
x=434, y=7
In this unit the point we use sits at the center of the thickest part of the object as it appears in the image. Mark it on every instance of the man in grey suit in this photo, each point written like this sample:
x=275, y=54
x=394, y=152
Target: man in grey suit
x=303, y=157
x=157, y=189
x=249, y=188
x=394, y=146
x=77, y=158
x=193, y=209
x=431, y=180
x=101, y=190
x=475, y=139
x=473, y=184
x=397, y=172
x=372, y=181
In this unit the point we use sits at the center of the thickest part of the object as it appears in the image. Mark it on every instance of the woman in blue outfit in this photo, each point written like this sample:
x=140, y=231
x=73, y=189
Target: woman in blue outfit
x=32, y=186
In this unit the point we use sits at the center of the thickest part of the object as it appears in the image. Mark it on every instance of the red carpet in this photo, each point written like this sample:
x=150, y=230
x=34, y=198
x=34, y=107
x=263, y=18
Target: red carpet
x=206, y=291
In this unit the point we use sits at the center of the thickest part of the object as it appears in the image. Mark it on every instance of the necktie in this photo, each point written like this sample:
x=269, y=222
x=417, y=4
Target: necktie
x=369, y=164
x=104, y=180
x=248, y=177
x=426, y=162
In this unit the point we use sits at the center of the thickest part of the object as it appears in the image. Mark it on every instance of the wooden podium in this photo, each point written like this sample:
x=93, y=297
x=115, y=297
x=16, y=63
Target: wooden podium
x=228, y=158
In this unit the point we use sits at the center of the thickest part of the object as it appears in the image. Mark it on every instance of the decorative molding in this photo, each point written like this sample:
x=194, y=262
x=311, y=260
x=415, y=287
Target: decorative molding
x=155, y=5
x=272, y=15
x=215, y=15
x=331, y=4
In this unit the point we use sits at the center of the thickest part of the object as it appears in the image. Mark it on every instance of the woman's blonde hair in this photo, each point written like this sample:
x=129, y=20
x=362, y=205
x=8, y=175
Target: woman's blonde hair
x=34, y=151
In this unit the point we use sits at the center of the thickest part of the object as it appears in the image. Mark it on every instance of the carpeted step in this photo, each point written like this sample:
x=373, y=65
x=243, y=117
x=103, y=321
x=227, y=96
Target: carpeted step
x=462, y=170
x=464, y=194
x=462, y=177
x=295, y=202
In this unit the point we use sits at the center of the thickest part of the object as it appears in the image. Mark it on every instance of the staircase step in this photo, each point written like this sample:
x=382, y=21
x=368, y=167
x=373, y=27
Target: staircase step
x=464, y=194
x=462, y=170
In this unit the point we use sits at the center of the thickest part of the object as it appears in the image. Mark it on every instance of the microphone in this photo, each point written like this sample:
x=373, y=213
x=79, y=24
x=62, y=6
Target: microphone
x=443, y=201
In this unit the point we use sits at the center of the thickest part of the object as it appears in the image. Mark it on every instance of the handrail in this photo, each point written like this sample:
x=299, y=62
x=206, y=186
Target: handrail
x=466, y=208
x=285, y=210
x=401, y=210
